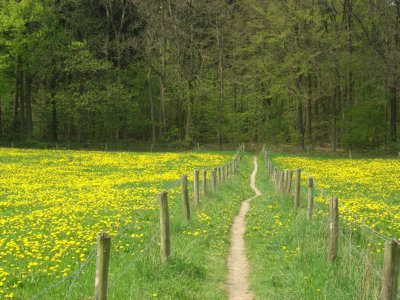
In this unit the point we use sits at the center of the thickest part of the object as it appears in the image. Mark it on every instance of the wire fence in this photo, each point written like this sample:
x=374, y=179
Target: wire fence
x=351, y=222
x=120, y=231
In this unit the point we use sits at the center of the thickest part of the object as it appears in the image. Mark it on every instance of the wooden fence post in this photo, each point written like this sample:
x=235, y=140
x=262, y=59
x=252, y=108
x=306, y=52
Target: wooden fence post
x=289, y=183
x=164, y=226
x=282, y=182
x=297, y=189
x=185, y=198
x=214, y=179
x=102, y=263
x=390, y=270
x=204, y=182
x=333, y=229
x=219, y=175
x=222, y=173
x=196, y=188
x=310, y=198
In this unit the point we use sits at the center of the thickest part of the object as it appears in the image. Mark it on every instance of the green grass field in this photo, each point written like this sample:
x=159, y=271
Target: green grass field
x=51, y=220
x=288, y=254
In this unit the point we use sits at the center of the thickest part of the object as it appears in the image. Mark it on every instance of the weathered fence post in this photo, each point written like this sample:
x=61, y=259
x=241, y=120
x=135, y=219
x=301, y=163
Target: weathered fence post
x=297, y=189
x=310, y=198
x=222, y=174
x=333, y=229
x=196, y=188
x=289, y=183
x=281, y=182
x=219, y=175
x=204, y=182
x=185, y=198
x=164, y=226
x=214, y=179
x=390, y=270
x=102, y=263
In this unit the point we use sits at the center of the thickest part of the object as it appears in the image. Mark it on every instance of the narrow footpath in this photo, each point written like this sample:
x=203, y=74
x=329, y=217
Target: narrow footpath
x=238, y=266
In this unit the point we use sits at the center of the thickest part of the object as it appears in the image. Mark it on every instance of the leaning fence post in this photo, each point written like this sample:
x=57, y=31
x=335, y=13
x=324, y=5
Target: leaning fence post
x=196, y=188
x=333, y=229
x=164, y=226
x=204, y=182
x=297, y=189
x=310, y=198
x=390, y=270
x=102, y=263
x=185, y=198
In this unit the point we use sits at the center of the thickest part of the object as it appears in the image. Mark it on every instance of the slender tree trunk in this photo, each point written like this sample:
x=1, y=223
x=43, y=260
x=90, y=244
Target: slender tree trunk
x=150, y=91
x=393, y=114
x=334, y=129
x=189, y=112
x=53, y=109
x=163, y=124
x=163, y=62
x=300, y=127
x=28, y=102
x=309, y=110
x=22, y=103
x=221, y=89
x=54, y=122
x=15, y=120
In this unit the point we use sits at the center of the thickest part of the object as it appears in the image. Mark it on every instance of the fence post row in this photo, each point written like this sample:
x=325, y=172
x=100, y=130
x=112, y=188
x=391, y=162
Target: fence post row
x=102, y=263
x=185, y=198
x=164, y=226
x=333, y=229
x=391, y=270
x=196, y=187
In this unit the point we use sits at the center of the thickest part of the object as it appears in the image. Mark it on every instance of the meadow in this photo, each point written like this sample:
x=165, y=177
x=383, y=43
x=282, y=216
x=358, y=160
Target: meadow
x=368, y=189
x=289, y=254
x=54, y=203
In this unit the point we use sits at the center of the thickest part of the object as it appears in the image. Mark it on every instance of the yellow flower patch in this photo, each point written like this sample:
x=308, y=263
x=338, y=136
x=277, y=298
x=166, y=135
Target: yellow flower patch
x=54, y=203
x=368, y=189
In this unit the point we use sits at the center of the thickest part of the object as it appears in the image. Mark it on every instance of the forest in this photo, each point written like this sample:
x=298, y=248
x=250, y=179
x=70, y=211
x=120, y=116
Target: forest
x=308, y=73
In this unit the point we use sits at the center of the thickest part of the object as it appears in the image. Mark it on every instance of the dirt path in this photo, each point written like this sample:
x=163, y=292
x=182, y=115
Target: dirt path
x=238, y=267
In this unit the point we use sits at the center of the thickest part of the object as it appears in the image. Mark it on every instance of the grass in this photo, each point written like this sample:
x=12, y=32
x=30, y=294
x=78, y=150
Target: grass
x=288, y=254
x=197, y=266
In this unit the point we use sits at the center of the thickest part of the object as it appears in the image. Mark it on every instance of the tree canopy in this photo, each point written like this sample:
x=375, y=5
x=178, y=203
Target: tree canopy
x=303, y=72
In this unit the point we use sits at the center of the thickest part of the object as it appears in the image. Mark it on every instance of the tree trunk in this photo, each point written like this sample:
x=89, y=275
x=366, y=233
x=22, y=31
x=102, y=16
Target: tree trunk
x=149, y=86
x=300, y=127
x=15, y=120
x=22, y=104
x=54, y=124
x=393, y=114
x=309, y=111
x=163, y=124
x=28, y=103
x=221, y=90
x=334, y=129
x=189, y=112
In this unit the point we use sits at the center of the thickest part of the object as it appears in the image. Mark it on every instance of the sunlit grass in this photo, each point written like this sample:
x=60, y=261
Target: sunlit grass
x=54, y=203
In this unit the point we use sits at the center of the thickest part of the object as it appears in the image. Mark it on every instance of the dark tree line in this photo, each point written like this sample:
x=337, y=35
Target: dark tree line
x=305, y=72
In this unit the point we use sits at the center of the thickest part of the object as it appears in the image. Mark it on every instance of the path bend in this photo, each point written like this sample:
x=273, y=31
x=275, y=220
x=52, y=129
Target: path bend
x=238, y=266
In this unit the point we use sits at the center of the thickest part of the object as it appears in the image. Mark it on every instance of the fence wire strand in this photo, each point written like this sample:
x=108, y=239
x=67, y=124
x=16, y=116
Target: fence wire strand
x=121, y=230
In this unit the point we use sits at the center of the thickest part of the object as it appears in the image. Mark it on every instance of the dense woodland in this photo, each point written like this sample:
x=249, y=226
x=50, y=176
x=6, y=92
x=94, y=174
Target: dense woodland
x=302, y=72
